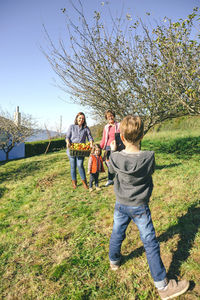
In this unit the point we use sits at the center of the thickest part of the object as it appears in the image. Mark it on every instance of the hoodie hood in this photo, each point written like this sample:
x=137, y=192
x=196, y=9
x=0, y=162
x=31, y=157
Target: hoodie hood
x=133, y=180
x=133, y=164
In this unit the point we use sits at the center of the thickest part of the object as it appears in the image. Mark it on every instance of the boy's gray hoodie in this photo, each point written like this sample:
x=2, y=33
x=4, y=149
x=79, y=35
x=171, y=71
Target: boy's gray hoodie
x=133, y=183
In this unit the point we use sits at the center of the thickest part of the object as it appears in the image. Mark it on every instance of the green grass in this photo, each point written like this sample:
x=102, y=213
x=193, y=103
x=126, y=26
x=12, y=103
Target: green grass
x=54, y=240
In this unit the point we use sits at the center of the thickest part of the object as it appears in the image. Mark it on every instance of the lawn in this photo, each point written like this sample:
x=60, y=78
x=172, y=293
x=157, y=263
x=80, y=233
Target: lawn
x=54, y=240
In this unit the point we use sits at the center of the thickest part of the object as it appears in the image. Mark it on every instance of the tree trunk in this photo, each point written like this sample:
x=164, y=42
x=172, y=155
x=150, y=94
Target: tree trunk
x=7, y=153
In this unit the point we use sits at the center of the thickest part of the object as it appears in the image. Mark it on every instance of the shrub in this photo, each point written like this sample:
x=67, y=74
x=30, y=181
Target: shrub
x=185, y=147
x=39, y=147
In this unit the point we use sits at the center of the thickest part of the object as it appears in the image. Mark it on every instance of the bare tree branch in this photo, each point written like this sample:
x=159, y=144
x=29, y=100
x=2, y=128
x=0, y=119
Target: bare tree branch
x=155, y=74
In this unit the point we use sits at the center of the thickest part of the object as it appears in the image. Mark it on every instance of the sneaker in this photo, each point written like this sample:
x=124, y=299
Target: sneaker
x=109, y=182
x=174, y=289
x=90, y=190
x=98, y=188
x=115, y=265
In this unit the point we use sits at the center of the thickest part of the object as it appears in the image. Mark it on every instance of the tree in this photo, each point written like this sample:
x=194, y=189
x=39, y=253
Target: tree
x=13, y=132
x=155, y=74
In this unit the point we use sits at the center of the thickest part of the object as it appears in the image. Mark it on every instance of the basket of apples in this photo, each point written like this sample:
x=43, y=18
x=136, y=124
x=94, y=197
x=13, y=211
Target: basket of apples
x=80, y=149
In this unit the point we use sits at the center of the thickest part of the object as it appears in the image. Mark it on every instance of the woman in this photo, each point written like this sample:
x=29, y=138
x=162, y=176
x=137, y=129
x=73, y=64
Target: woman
x=77, y=133
x=108, y=136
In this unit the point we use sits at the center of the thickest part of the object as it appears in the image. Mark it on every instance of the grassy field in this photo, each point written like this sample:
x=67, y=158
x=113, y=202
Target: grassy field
x=54, y=240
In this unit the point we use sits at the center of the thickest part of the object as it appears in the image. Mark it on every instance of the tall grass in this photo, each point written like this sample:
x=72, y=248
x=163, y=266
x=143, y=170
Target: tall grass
x=54, y=240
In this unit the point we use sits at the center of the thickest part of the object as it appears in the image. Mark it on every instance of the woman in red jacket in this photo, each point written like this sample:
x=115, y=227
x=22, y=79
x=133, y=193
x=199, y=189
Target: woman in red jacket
x=95, y=165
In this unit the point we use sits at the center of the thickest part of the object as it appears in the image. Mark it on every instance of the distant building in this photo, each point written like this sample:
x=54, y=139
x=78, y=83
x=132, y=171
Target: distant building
x=18, y=151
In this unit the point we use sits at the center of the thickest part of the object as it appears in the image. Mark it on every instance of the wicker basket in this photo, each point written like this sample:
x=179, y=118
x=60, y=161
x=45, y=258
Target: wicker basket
x=80, y=153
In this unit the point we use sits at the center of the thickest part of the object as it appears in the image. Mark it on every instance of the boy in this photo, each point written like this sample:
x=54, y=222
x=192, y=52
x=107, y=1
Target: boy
x=133, y=187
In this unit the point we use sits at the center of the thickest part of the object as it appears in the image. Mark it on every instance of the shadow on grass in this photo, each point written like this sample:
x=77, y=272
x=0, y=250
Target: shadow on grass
x=103, y=178
x=181, y=147
x=2, y=191
x=25, y=169
x=187, y=228
x=22, y=171
x=166, y=166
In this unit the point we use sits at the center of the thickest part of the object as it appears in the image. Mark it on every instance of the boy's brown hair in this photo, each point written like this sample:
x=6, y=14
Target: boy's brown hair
x=132, y=128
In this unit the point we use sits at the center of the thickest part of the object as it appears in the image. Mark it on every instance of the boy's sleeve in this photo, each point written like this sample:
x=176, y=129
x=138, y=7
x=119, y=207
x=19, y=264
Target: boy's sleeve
x=110, y=165
x=153, y=164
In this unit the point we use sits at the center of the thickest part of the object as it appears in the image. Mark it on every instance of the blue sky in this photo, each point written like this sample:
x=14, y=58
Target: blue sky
x=26, y=78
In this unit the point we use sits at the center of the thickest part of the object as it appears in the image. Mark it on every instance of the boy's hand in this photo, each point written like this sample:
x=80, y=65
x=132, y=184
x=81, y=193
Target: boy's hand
x=113, y=145
x=88, y=172
x=104, y=155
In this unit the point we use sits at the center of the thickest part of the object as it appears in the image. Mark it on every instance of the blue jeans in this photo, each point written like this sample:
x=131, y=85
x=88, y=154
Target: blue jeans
x=141, y=216
x=76, y=161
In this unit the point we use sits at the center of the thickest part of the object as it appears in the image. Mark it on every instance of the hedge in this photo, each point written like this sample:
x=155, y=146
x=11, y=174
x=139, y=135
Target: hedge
x=39, y=147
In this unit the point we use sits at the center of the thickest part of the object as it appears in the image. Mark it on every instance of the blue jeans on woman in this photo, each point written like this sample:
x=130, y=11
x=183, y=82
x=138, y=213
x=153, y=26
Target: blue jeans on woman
x=76, y=161
x=141, y=216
